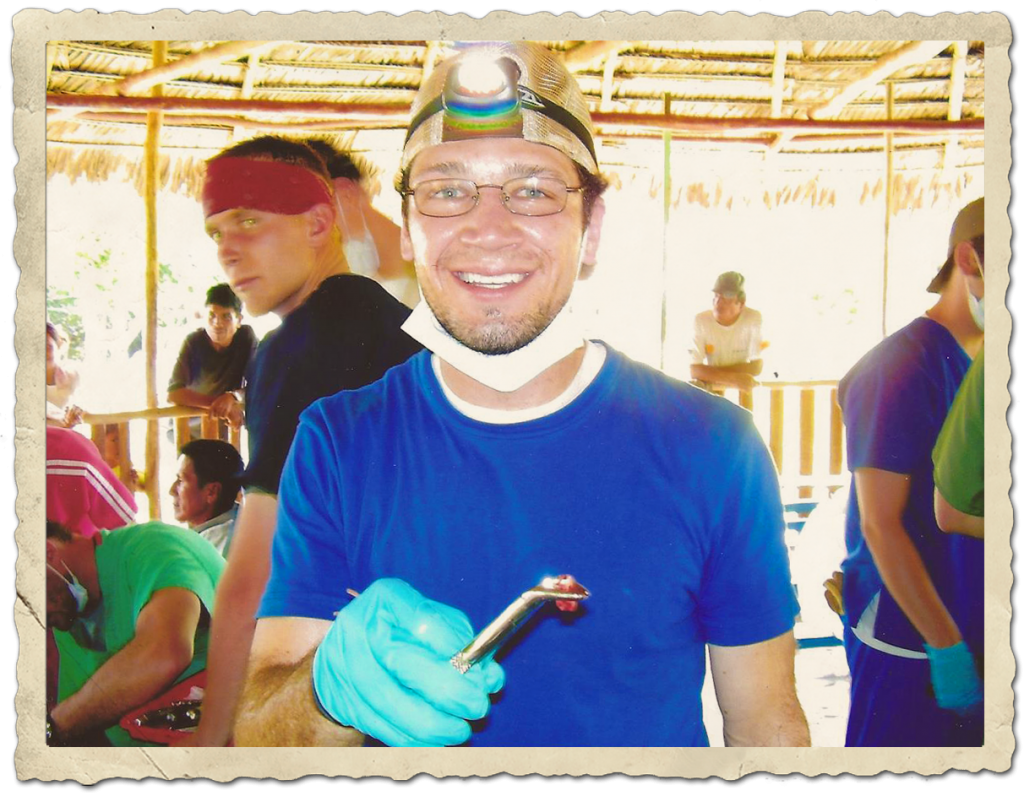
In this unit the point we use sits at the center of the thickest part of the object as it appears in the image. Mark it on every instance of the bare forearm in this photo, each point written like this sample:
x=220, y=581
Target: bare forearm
x=278, y=709
x=186, y=397
x=231, y=637
x=738, y=376
x=904, y=575
x=132, y=677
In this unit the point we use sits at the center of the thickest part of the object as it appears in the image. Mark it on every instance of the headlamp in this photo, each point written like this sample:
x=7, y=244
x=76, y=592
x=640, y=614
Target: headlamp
x=504, y=90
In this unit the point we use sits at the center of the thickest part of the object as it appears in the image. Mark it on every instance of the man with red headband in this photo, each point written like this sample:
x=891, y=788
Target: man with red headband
x=513, y=451
x=270, y=209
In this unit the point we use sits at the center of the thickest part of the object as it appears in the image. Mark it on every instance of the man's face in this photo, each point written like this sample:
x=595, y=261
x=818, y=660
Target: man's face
x=726, y=309
x=266, y=257
x=495, y=280
x=221, y=325
x=193, y=504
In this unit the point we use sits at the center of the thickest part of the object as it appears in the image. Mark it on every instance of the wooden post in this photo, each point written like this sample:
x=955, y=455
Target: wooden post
x=124, y=459
x=775, y=426
x=806, y=439
x=747, y=400
x=152, y=151
x=835, y=464
x=889, y=189
x=182, y=432
x=667, y=181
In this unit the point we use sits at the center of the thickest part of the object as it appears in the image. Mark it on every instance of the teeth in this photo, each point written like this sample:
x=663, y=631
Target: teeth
x=482, y=280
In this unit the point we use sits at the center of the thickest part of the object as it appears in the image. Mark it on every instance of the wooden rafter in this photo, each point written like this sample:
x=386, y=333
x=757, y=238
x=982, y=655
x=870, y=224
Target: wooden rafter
x=143, y=81
x=957, y=83
x=908, y=55
x=591, y=54
x=779, y=77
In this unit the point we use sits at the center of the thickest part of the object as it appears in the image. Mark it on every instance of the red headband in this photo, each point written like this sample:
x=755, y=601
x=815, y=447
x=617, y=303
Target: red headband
x=261, y=185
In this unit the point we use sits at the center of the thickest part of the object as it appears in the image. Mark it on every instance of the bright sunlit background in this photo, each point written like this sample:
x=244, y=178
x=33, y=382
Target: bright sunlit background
x=807, y=231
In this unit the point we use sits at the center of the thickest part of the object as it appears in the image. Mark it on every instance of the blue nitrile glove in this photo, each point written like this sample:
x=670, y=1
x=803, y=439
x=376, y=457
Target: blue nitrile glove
x=384, y=668
x=954, y=678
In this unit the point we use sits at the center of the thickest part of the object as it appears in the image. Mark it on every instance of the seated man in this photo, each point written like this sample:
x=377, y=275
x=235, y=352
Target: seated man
x=212, y=361
x=206, y=490
x=727, y=341
x=131, y=610
x=84, y=494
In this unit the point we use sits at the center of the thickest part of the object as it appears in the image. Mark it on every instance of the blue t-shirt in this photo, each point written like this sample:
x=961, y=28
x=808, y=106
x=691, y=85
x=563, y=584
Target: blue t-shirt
x=344, y=336
x=894, y=401
x=659, y=498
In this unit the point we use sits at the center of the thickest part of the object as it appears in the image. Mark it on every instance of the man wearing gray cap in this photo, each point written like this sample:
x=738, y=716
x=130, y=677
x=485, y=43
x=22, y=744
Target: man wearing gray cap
x=727, y=341
x=513, y=451
x=913, y=595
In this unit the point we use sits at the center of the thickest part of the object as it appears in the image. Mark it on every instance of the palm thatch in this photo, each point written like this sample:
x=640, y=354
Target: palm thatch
x=786, y=100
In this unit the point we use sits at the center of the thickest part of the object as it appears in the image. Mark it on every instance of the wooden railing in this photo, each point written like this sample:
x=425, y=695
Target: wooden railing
x=803, y=427
x=210, y=428
x=800, y=422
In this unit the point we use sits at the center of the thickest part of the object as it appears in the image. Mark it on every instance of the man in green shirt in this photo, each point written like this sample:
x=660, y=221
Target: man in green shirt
x=959, y=458
x=131, y=613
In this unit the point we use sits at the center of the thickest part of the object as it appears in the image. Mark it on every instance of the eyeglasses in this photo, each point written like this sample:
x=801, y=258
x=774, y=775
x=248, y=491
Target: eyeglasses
x=523, y=196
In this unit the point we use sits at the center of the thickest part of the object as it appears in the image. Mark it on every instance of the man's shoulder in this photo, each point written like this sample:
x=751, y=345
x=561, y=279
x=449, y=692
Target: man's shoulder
x=752, y=316
x=909, y=355
x=138, y=543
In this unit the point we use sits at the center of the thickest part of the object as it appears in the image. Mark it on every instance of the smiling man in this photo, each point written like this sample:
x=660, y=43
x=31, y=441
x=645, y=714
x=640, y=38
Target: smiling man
x=512, y=450
x=270, y=211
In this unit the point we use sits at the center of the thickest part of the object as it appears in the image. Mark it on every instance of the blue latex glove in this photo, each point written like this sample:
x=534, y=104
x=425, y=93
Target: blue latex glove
x=955, y=679
x=384, y=668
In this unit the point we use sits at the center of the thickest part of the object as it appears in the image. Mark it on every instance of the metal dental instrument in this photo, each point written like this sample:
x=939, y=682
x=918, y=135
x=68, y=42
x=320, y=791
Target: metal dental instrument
x=563, y=590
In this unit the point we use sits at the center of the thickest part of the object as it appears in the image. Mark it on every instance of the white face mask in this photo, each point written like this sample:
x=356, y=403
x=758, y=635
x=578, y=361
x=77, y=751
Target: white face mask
x=501, y=372
x=78, y=591
x=356, y=241
x=977, y=305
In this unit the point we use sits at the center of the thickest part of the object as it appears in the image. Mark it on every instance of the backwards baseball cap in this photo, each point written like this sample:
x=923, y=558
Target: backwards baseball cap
x=502, y=90
x=730, y=285
x=969, y=224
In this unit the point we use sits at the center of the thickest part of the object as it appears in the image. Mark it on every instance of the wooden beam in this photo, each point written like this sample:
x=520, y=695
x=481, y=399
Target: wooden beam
x=890, y=182
x=252, y=74
x=957, y=82
x=190, y=64
x=400, y=115
x=835, y=439
x=591, y=54
x=608, y=83
x=152, y=156
x=775, y=430
x=779, y=77
x=908, y=55
x=806, y=437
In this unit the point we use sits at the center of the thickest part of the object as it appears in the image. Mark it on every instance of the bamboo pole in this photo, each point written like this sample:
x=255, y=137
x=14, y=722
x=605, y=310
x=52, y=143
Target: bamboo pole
x=667, y=180
x=164, y=72
x=775, y=431
x=889, y=183
x=806, y=438
x=152, y=152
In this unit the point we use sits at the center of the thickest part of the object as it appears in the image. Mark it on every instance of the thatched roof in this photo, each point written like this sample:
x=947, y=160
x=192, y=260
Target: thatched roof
x=786, y=99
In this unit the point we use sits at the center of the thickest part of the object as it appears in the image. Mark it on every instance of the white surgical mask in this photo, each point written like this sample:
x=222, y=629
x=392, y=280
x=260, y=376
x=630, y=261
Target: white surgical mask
x=501, y=372
x=78, y=591
x=977, y=305
x=356, y=241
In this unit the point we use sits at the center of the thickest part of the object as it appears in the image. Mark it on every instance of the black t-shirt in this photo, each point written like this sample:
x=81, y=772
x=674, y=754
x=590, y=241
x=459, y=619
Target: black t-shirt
x=203, y=368
x=344, y=336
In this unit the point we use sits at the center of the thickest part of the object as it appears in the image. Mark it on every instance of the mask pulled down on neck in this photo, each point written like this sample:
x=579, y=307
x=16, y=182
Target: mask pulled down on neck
x=501, y=372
